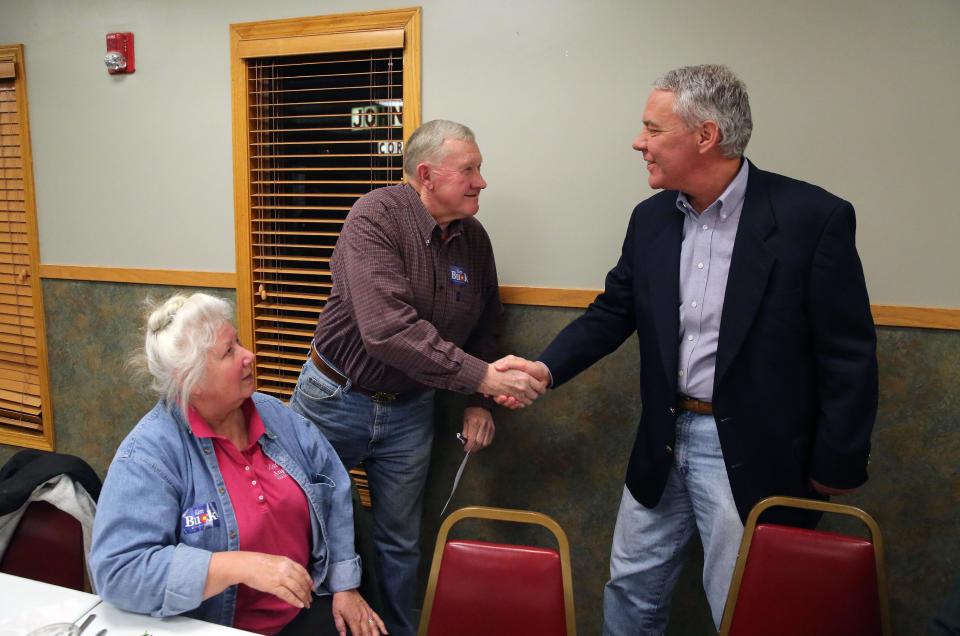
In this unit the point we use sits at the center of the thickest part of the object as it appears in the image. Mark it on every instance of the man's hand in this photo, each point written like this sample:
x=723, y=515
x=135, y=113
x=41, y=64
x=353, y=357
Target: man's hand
x=350, y=610
x=827, y=490
x=478, y=428
x=511, y=382
x=536, y=370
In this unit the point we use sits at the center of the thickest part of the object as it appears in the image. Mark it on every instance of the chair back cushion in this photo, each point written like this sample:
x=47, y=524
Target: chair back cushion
x=798, y=582
x=47, y=546
x=490, y=588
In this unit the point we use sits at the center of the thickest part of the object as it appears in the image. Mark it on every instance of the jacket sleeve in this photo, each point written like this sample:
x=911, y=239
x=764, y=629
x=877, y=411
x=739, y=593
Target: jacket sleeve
x=607, y=322
x=344, y=569
x=136, y=560
x=845, y=349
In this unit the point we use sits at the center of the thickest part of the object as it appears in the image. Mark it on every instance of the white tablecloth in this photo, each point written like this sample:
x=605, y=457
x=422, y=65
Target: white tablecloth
x=120, y=623
x=26, y=605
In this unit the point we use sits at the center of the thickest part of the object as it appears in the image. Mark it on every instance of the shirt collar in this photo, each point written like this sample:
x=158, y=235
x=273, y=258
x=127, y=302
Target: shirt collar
x=731, y=198
x=425, y=221
x=255, y=428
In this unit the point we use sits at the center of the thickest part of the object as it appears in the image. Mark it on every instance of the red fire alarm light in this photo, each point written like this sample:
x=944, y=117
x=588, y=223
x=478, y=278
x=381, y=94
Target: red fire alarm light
x=120, y=58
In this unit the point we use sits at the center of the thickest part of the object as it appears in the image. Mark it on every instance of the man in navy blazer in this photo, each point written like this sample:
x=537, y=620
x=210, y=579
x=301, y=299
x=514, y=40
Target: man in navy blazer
x=757, y=346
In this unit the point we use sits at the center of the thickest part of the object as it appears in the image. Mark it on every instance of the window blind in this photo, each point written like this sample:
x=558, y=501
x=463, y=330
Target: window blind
x=23, y=391
x=325, y=129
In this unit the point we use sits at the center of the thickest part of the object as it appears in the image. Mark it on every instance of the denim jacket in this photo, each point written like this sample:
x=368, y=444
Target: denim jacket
x=165, y=510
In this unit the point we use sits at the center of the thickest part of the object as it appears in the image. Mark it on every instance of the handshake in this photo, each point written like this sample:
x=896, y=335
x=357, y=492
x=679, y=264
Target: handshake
x=515, y=382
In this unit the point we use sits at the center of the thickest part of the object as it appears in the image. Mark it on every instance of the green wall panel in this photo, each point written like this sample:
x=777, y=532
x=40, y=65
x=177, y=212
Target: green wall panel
x=566, y=455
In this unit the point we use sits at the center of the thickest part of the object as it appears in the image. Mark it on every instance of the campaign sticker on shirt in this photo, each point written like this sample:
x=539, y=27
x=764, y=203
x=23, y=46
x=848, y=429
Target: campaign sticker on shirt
x=200, y=517
x=458, y=276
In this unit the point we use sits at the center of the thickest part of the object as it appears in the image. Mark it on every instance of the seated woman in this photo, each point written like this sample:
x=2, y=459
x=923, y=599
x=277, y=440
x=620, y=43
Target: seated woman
x=222, y=504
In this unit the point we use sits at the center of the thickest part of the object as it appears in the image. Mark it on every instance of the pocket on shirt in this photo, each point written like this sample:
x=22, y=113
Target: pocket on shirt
x=319, y=479
x=320, y=491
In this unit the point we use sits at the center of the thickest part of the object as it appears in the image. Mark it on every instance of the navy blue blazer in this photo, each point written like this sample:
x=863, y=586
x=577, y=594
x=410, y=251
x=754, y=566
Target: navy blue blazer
x=795, y=387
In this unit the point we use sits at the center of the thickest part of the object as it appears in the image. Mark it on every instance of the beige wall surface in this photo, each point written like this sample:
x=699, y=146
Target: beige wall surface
x=859, y=97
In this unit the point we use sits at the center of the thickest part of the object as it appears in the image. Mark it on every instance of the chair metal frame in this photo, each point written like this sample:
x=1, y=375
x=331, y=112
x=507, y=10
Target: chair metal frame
x=501, y=514
x=821, y=506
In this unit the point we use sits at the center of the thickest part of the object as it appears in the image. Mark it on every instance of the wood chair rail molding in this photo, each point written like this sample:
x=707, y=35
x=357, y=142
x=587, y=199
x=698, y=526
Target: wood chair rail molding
x=173, y=277
x=883, y=315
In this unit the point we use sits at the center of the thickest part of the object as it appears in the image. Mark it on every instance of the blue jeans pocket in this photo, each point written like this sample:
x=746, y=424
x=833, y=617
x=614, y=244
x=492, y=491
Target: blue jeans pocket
x=316, y=386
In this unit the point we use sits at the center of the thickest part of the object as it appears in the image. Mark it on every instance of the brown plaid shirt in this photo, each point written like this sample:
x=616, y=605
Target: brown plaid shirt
x=409, y=310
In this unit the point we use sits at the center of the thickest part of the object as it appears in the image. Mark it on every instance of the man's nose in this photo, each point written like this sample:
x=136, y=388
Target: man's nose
x=640, y=142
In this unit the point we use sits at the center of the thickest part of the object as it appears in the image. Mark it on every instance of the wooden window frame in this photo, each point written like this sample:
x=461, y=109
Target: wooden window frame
x=12, y=58
x=293, y=37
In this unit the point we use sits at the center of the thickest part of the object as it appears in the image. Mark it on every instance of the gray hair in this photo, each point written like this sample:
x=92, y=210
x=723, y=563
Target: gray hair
x=180, y=332
x=426, y=143
x=712, y=92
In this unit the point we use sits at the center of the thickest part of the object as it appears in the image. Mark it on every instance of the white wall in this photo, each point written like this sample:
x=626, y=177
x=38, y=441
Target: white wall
x=859, y=97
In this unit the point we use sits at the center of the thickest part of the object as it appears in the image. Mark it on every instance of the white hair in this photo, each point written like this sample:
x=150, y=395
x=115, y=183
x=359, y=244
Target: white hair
x=180, y=332
x=712, y=92
x=426, y=143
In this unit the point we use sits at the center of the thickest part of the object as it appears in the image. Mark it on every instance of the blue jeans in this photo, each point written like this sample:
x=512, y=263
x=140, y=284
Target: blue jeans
x=393, y=439
x=649, y=544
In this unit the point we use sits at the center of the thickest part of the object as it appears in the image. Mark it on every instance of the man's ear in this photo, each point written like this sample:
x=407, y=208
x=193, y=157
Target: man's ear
x=424, y=176
x=708, y=135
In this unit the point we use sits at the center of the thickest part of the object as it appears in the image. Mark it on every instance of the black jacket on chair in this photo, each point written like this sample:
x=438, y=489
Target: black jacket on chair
x=795, y=386
x=29, y=468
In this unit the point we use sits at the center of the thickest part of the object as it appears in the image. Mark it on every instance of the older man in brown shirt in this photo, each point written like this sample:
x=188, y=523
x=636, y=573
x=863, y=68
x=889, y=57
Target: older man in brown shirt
x=415, y=307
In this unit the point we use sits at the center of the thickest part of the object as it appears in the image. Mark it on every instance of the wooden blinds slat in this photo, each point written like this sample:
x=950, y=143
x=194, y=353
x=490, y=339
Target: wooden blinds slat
x=8, y=70
x=323, y=130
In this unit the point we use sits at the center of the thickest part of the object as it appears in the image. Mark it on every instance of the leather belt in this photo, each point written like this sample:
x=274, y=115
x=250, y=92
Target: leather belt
x=694, y=405
x=343, y=381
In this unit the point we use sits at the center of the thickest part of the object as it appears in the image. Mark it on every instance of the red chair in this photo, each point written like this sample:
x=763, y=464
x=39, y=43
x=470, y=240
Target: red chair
x=797, y=582
x=478, y=588
x=47, y=546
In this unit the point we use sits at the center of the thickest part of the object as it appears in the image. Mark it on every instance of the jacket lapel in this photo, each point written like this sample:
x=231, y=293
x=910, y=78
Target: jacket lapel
x=663, y=265
x=750, y=267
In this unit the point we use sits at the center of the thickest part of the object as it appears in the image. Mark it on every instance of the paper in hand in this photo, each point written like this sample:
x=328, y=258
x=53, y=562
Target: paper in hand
x=456, y=480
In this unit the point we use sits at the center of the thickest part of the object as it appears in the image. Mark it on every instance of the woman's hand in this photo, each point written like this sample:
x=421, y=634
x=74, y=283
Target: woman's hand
x=350, y=610
x=269, y=573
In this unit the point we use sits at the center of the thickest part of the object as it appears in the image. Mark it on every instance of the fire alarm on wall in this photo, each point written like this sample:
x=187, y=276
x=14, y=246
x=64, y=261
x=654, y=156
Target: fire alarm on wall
x=120, y=58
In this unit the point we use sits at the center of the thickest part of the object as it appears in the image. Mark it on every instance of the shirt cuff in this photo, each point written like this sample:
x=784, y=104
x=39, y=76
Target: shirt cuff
x=472, y=372
x=343, y=575
x=186, y=578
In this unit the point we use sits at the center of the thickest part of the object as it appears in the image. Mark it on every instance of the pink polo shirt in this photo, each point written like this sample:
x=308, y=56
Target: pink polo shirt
x=272, y=516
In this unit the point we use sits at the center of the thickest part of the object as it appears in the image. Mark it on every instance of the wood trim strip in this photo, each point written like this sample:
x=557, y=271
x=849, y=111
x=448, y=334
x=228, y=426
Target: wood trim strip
x=923, y=317
x=321, y=43
x=547, y=296
x=174, y=277
x=336, y=23
x=883, y=315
